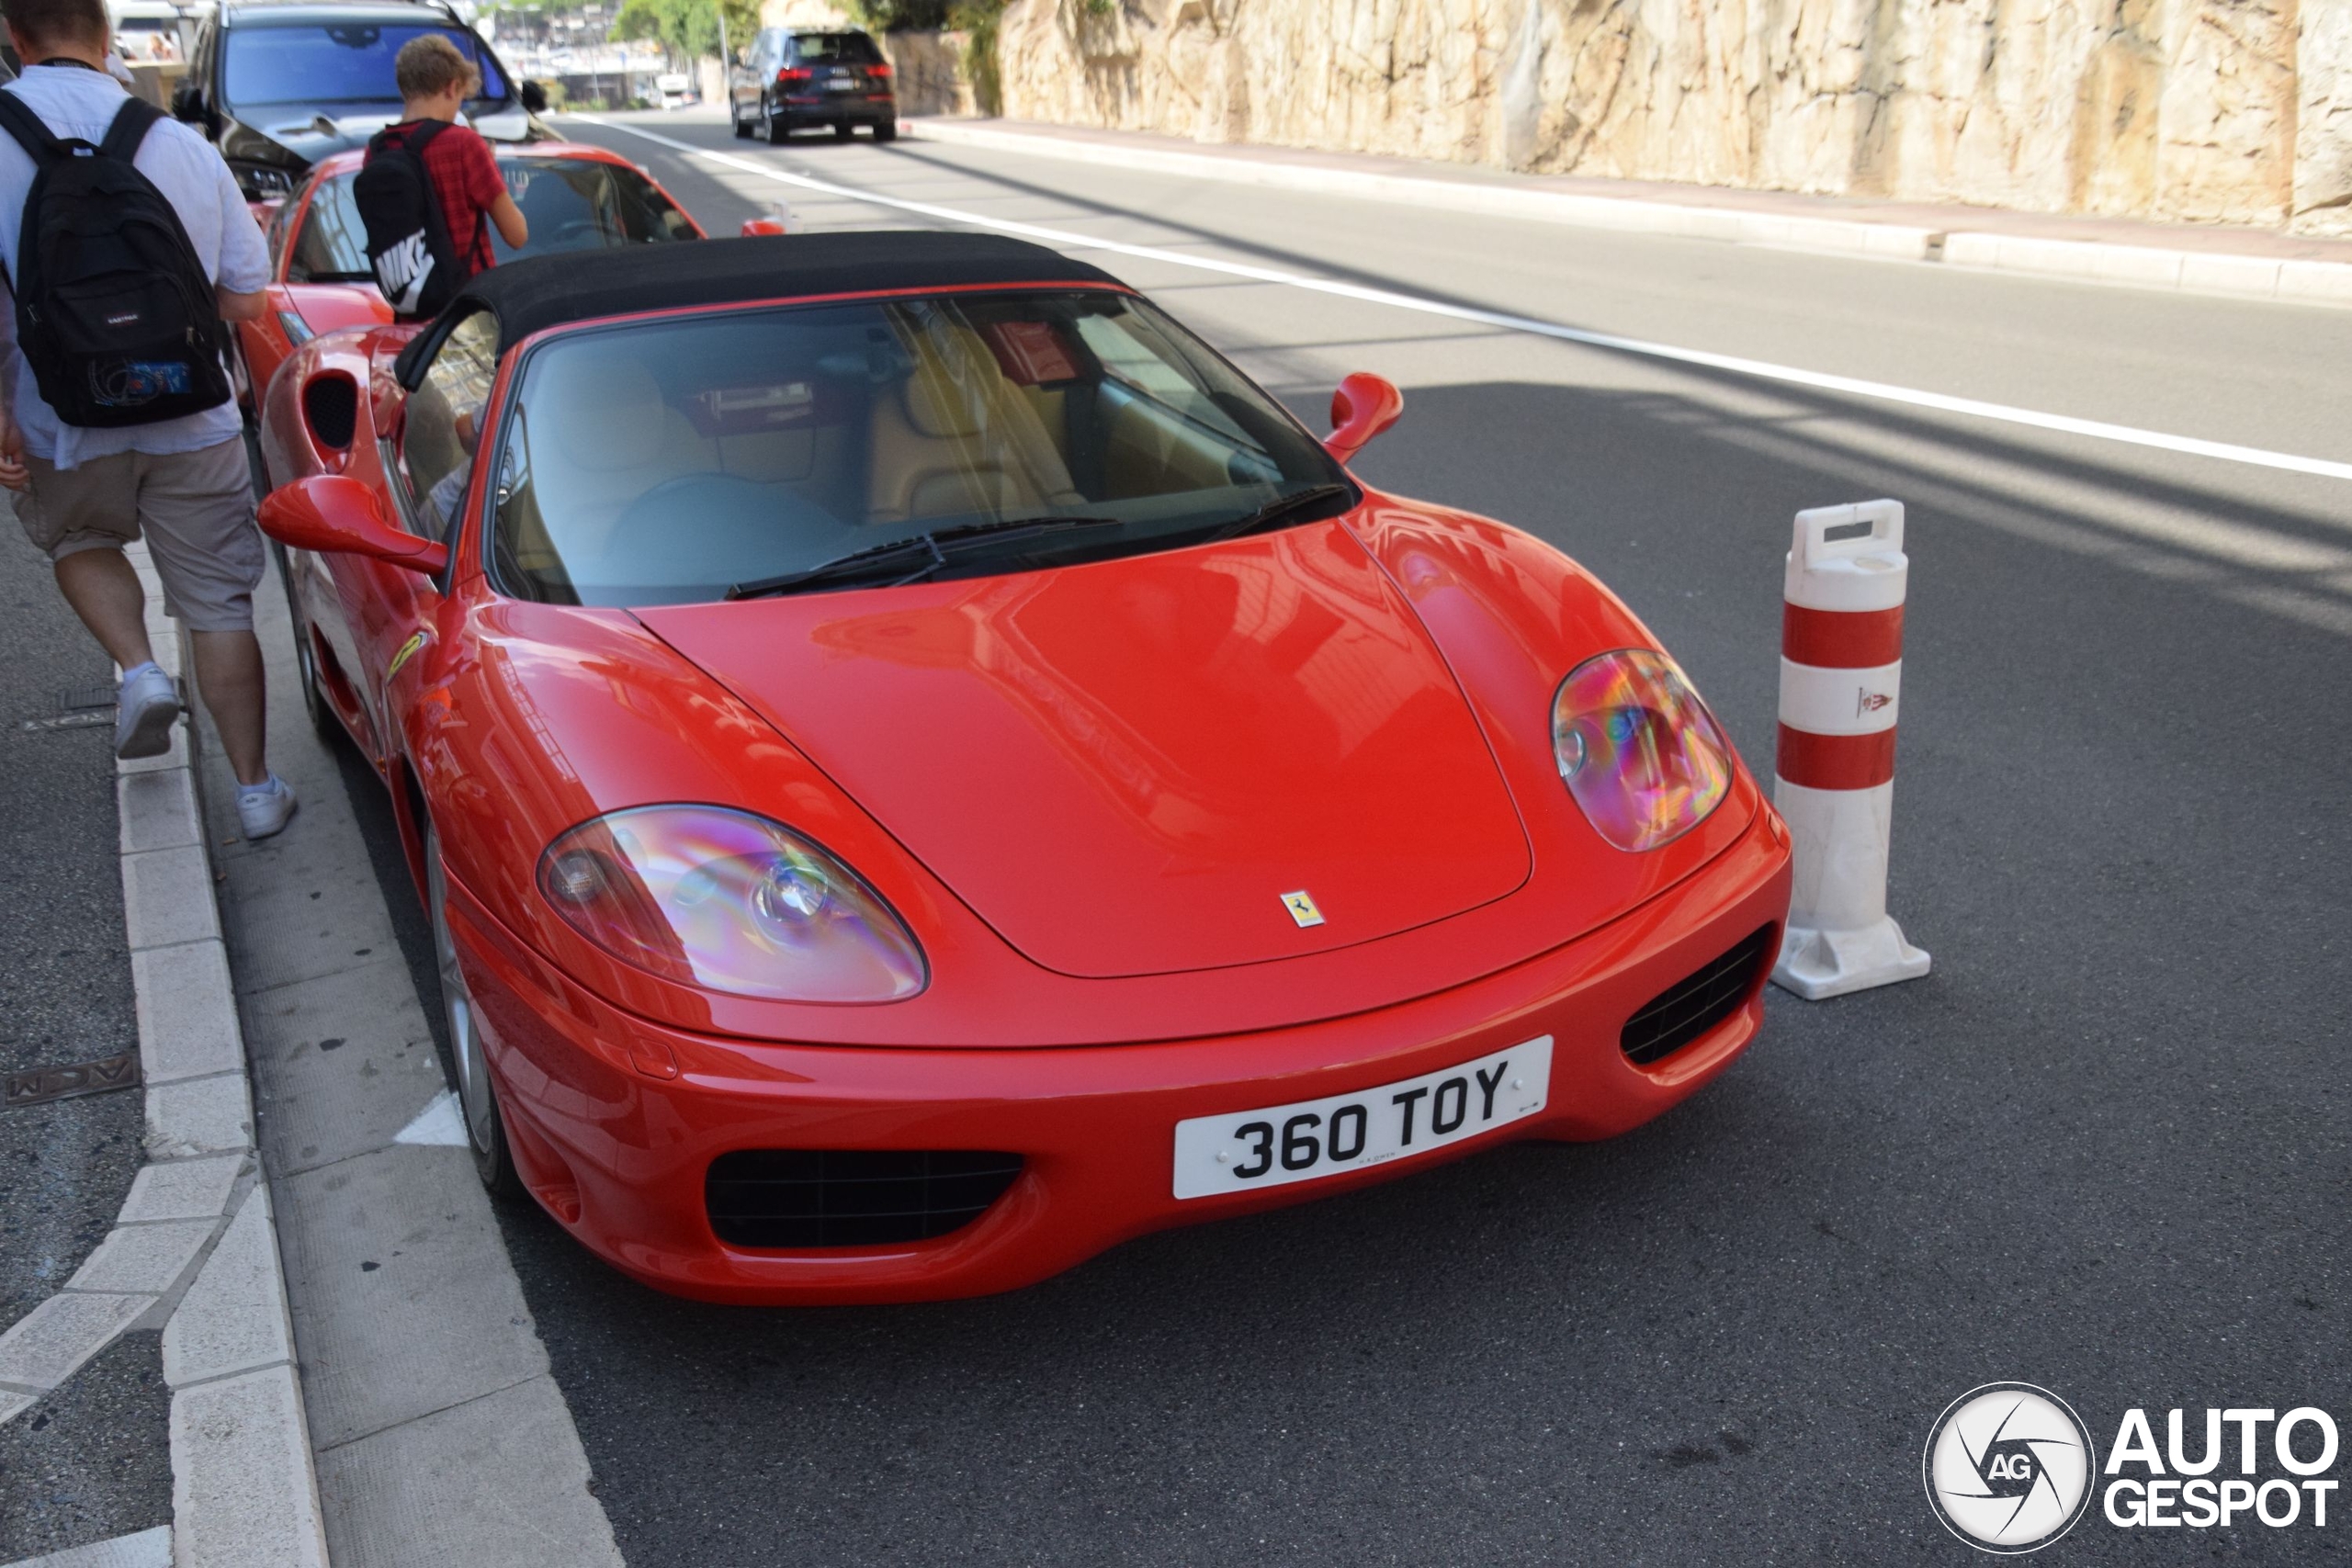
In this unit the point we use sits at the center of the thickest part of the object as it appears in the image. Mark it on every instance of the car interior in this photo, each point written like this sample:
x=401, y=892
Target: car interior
x=641, y=472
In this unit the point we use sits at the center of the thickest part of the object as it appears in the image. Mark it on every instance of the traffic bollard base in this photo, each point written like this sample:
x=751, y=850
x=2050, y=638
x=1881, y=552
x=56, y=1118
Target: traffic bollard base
x=1818, y=964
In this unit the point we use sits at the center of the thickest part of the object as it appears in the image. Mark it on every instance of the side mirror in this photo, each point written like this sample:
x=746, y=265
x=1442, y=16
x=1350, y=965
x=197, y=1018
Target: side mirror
x=332, y=514
x=761, y=226
x=534, y=97
x=187, y=101
x=1364, y=405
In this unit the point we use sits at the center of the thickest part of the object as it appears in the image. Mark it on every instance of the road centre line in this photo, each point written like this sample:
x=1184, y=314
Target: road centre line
x=1880, y=391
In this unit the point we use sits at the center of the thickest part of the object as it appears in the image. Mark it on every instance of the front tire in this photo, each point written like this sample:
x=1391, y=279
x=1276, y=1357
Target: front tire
x=477, y=1095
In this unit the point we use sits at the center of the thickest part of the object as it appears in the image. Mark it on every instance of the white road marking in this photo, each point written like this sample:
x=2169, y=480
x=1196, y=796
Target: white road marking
x=439, y=1125
x=1880, y=391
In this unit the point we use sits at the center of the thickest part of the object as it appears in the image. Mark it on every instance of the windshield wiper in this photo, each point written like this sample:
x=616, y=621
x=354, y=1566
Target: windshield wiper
x=912, y=558
x=1276, y=510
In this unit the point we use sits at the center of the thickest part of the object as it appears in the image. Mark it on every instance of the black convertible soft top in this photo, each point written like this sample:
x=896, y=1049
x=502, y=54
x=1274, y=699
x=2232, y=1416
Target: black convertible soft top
x=538, y=292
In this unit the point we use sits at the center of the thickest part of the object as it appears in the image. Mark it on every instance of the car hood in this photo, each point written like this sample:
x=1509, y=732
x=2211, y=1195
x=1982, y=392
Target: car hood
x=1125, y=767
x=296, y=135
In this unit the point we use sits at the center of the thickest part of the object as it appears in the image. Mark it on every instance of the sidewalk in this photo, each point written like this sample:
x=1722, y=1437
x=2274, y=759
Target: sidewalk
x=184, y=1288
x=2252, y=264
x=167, y=1400
x=439, y=1438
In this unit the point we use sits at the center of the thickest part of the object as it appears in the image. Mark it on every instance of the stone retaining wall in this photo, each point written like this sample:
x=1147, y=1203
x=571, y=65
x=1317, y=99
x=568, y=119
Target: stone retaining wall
x=2236, y=111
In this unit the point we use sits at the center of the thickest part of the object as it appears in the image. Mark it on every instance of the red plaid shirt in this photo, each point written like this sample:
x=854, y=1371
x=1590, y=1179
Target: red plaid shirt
x=465, y=176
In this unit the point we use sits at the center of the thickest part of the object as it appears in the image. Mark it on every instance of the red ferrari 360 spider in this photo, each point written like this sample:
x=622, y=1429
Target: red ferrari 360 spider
x=575, y=197
x=920, y=771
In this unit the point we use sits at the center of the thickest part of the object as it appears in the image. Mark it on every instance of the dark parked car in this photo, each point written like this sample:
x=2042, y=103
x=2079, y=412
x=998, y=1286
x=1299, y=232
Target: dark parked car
x=794, y=80
x=281, y=84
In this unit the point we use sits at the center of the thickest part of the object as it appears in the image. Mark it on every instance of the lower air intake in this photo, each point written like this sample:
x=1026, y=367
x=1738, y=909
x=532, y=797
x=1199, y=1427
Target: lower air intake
x=807, y=1198
x=1683, y=1012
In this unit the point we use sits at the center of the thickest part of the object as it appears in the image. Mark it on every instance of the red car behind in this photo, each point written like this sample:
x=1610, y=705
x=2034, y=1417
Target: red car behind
x=575, y=198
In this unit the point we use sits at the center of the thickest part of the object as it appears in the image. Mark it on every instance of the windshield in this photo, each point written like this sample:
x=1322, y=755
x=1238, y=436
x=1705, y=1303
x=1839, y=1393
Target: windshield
x=668, y=461
x=571, y=204
x=343, y=63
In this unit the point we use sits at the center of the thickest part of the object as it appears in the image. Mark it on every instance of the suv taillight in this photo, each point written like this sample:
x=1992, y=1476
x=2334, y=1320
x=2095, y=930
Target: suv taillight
x=792, y=73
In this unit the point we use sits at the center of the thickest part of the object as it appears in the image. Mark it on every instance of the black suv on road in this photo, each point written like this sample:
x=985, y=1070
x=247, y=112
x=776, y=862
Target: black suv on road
x=794, y=79
x=281, y=84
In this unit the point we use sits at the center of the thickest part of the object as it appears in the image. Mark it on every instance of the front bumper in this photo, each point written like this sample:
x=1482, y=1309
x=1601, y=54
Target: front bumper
x=615, y=1121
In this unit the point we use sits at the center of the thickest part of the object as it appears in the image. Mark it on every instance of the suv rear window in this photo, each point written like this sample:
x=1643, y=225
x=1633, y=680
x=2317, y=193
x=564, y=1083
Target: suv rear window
x=835, y=49
x=340, y=63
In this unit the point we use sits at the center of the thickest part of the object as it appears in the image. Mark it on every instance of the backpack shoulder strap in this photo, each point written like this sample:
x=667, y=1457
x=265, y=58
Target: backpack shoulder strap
x=17, y=118
x=132, y=123
x=422, y=137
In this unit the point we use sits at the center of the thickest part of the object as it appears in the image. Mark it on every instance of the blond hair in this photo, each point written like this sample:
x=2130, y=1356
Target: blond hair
x=429, y=65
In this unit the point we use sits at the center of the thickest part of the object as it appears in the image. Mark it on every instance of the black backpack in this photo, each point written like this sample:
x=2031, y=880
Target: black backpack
x=416, y=264
x=114, y=310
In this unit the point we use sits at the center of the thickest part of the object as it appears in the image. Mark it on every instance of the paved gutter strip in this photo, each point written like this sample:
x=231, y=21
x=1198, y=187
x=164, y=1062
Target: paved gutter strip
x=438, y=1436
x=2302, y=282
x=192, y=1253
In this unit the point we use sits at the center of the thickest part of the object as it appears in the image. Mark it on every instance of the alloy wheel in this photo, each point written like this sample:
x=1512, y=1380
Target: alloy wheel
x=477, y=1100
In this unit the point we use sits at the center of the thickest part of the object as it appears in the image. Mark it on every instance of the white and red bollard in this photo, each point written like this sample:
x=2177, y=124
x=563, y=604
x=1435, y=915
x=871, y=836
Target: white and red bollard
x=1841, y=675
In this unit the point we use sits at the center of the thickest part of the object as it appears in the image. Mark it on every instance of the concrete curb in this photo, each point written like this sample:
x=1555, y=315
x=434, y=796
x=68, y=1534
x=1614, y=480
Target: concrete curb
x=192, y=1251
x=2139, y=266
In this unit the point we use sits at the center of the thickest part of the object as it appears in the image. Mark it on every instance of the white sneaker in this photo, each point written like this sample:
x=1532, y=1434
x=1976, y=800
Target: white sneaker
x=263, y=808
x=145, y=710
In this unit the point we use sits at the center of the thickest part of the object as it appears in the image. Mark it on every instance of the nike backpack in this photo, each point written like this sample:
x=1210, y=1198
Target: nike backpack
x=115, y=314
x=416, y=263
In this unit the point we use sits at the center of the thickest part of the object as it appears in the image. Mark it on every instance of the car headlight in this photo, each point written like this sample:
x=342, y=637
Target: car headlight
x=729, y=902
x=261, y=181
x=1640, y=753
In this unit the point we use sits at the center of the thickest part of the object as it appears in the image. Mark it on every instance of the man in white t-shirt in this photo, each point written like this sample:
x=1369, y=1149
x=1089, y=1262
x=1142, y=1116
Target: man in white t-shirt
x=184, y=483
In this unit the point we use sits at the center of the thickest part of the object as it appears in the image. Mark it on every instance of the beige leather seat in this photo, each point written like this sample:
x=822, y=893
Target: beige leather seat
x=957, y=437
x=601, y=437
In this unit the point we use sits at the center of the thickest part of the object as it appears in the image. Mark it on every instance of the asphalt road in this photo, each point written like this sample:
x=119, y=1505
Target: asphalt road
x=2103, y=1148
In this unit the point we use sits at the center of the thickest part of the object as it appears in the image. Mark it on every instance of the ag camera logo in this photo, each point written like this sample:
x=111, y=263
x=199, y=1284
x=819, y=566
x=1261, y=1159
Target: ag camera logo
x=2008, y=1468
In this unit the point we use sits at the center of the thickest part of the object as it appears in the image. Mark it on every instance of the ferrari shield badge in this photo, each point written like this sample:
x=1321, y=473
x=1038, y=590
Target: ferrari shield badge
x=1302, y=909
x=408, y=651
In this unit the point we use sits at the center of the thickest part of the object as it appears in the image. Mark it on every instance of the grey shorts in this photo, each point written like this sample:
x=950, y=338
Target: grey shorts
x=196, y=510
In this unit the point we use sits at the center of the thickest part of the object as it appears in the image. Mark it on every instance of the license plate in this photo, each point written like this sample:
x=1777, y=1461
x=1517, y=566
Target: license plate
x=841, y=86
x=1242, y=1150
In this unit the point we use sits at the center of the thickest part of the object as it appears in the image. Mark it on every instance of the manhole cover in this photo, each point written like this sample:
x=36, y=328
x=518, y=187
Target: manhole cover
x=74, y=699
x=41, y=1084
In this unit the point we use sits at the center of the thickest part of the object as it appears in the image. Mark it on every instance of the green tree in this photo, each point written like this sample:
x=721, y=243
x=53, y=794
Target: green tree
x=900, y=15
x=688, y=29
